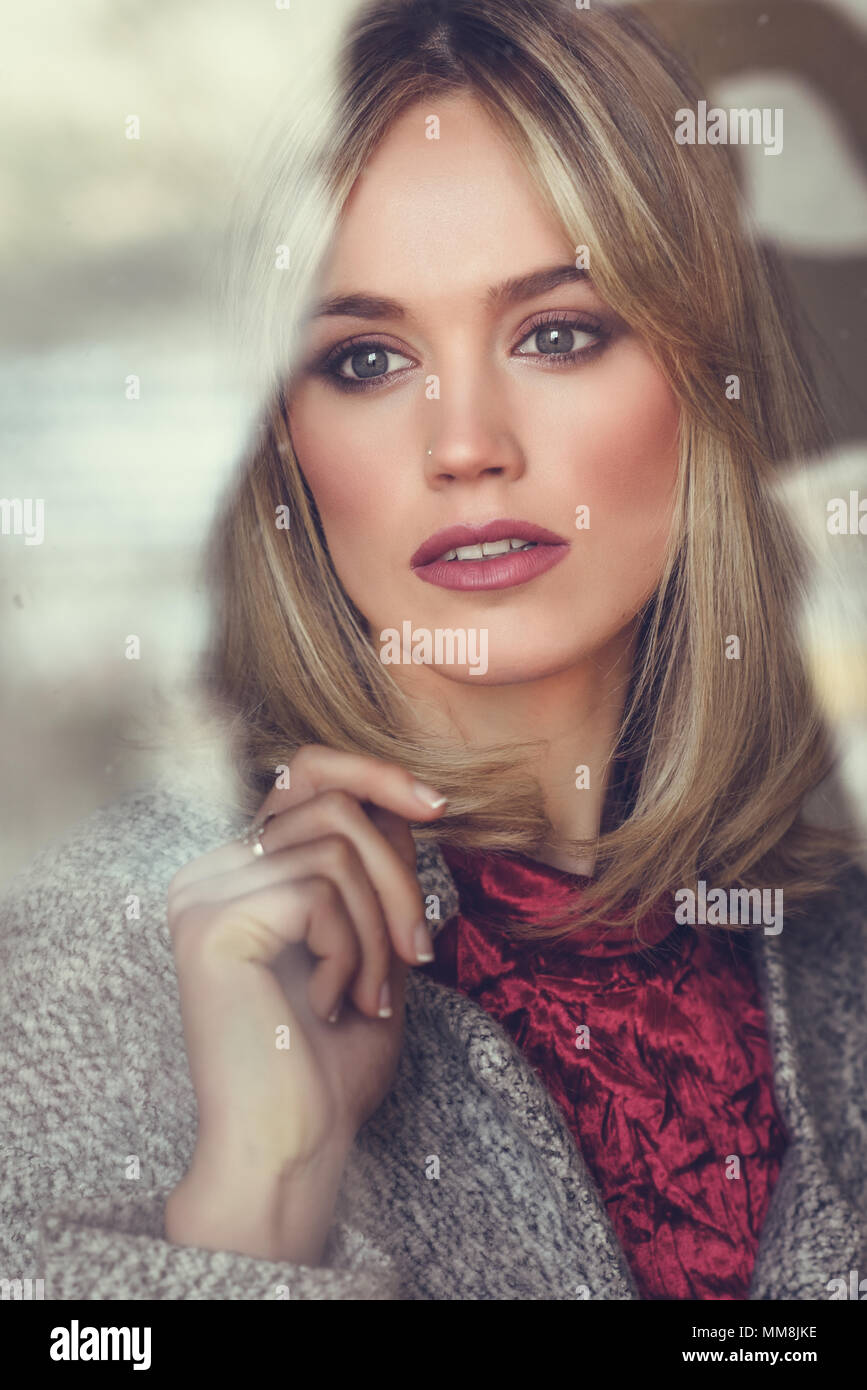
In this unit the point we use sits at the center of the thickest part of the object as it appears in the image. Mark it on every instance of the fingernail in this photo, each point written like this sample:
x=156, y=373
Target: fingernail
x=385, y=1001
x=423, y=943
x=429, y=796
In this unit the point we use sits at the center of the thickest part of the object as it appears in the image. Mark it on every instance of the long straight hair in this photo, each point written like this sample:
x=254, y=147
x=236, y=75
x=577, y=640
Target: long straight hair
x=714, y=757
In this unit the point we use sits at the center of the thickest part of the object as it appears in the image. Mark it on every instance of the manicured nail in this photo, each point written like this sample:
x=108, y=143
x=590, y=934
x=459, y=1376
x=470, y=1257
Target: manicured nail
x=385, y=1001
x=429, y=796
x=423, y=943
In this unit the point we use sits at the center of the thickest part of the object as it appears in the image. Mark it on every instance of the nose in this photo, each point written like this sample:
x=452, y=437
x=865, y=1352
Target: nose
x=469, y=437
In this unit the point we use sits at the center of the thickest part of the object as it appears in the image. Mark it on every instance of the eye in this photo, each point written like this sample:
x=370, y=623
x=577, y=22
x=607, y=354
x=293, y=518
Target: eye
x=564, y=338
x=358, y=364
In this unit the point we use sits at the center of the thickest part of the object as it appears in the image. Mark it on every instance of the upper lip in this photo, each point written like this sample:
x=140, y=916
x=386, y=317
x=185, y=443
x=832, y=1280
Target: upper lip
x=451, y=537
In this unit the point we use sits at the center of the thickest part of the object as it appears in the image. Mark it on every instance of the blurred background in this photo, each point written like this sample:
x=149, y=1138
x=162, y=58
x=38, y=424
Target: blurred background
x=120, y=402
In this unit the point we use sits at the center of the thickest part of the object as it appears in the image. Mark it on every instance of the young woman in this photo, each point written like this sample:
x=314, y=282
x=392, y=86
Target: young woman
x=529, y=979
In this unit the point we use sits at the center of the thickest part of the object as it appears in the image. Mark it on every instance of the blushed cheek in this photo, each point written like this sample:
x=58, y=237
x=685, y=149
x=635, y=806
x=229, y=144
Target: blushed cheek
x=331, y=462
x=349, y=505
x=629, y=461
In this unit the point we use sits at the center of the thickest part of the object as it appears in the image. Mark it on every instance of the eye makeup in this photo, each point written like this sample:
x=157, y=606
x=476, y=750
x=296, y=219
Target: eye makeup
x=568, y=323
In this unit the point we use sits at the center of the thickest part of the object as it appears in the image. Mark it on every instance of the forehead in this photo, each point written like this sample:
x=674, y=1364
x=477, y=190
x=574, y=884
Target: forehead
x=458, y=209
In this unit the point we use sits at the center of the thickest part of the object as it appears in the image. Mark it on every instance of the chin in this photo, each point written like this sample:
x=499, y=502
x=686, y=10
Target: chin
x=515, y=670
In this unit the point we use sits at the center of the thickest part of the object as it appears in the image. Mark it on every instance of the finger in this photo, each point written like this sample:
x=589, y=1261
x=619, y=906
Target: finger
x=327, y=990
x=257, y=927
x=394, y=881
x=335, y=981
x=338, y=959
x=316, y=768
x=396, y=830
x=333, y=857
x=397, y=998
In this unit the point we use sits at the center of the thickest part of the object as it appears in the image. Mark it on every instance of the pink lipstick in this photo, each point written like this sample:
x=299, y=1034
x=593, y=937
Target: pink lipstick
x=497, y=555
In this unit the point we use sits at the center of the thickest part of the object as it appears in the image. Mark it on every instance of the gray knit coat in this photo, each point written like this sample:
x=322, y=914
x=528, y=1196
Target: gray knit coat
x=98, y=1111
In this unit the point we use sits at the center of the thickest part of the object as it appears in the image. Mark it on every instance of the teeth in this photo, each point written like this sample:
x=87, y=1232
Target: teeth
x=486, y=548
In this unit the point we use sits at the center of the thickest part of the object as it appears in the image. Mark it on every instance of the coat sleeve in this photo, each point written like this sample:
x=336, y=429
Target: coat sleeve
x=73, y=1212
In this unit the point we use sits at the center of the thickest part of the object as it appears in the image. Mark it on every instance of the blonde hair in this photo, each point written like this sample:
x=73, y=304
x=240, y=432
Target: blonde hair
x=721, y=753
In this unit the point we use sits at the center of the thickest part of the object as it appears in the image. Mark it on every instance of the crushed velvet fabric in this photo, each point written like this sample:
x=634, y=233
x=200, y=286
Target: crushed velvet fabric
x=657, y=1054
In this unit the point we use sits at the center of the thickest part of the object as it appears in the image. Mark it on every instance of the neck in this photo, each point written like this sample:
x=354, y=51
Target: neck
x=576, y=712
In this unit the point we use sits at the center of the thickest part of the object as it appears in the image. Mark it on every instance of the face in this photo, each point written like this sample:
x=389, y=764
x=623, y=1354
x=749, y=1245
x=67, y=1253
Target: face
x=479, y=394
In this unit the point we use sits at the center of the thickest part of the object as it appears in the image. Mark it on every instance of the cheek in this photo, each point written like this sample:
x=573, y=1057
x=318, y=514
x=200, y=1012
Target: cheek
x=343, y=464
x=331, y=456
x=627, y=459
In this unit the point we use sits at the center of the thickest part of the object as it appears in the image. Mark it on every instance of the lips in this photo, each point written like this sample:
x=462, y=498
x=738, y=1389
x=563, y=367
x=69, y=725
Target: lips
x=452, y=537
x=505, y=569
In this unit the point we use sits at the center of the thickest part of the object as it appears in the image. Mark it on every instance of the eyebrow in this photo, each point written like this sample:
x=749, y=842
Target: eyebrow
x=507, y=292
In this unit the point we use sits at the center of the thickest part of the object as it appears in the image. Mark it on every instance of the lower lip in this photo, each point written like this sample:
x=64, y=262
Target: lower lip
x=500, y=572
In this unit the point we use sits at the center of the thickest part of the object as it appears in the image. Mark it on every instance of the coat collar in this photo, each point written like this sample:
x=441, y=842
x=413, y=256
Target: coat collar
x=812, y=1231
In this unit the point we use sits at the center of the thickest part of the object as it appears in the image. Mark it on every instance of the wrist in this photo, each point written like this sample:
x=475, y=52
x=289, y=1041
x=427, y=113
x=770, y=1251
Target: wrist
x=221, y=1205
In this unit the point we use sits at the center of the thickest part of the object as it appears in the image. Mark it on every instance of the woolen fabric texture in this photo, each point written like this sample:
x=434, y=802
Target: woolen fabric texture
x=465, y=1184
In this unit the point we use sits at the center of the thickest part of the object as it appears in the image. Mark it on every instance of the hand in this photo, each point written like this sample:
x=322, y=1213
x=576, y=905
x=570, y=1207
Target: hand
x=265, y=948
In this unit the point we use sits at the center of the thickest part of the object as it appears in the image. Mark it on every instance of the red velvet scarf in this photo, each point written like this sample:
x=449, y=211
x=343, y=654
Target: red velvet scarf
x=657, y=1056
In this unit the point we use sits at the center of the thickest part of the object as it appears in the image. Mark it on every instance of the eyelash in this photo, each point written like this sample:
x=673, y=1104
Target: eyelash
x=552, y=317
